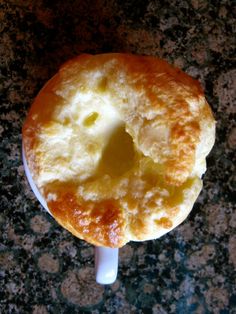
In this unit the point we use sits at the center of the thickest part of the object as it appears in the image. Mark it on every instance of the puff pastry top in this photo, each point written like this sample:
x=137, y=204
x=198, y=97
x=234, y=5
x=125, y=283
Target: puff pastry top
x=116, y=144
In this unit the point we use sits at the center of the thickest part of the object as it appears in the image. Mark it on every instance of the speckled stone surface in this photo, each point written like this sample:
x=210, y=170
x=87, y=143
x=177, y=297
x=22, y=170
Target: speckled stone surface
x=43, y=268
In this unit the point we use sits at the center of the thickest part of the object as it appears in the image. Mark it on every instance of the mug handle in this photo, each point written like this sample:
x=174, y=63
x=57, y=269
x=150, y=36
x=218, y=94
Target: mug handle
x=106, y=259
x=106, y=265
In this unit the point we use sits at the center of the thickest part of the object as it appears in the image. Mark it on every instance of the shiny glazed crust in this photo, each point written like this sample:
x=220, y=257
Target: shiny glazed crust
x=116, y=144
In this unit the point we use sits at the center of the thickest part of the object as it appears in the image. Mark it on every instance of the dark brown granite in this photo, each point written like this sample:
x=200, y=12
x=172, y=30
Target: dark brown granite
x=43, y=268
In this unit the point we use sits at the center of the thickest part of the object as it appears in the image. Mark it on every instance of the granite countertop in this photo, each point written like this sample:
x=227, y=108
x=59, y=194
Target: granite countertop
x=43, y=268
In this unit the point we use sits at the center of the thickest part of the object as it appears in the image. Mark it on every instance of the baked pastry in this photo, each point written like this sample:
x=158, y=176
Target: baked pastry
x=116, y=144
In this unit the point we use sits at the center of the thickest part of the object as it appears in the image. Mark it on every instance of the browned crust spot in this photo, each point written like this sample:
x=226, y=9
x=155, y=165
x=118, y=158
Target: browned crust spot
x=164, y=222
x=100, y=223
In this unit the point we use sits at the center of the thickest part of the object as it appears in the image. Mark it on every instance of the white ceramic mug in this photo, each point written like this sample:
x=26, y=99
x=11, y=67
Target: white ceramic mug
x=106, y=259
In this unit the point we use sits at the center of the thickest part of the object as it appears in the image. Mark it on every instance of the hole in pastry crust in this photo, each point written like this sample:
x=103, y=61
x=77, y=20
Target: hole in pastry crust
x=118, y=155
x=102, y=85
x=90, y=119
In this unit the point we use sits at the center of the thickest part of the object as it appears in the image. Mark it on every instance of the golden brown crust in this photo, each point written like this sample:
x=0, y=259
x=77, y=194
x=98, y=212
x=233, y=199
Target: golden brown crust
x=100, y=222
x=165, y=113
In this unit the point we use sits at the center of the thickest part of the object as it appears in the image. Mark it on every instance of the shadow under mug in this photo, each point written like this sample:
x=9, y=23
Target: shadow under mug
x=106, y=259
